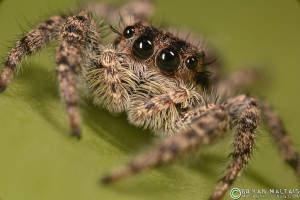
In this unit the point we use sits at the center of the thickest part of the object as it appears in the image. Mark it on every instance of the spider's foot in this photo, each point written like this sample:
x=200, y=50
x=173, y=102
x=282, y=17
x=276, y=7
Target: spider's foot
x=298, y=173
x=106, y=180
x=5, y=77
x=117, y=175
x=2, y=88
x=74, y=119
x=76, y=133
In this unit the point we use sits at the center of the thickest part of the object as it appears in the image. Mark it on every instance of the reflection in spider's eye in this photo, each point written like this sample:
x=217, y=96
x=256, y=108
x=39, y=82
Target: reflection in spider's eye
x=128, y=32
x=168, y=60
x=191, y=62
x=143, y=47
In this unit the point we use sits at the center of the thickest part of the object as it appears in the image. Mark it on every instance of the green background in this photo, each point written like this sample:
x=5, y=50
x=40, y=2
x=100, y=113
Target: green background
x=38, y=161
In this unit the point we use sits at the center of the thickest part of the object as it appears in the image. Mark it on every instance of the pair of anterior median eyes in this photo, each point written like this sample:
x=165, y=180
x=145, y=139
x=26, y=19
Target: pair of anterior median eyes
x=168, y=59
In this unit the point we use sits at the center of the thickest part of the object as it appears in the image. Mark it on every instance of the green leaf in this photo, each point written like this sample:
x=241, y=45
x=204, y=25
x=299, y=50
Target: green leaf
x=38, y=160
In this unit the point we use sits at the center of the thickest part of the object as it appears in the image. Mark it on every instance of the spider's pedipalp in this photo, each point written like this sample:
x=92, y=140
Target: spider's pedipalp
x=209, y=127
x=72, y=36
x=160, y=107
x=31, y=42
x=246, y=115
x=188, y=117
x=110, y=81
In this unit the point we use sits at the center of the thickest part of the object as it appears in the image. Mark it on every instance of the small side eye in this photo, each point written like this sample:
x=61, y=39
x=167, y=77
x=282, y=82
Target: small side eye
x=128, y=32
x=168, y=60
x=143, y=47
x=202, y=57
x=191, y=62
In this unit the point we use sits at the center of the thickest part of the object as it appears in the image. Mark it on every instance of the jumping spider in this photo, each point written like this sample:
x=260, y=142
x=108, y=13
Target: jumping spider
x=160, y=81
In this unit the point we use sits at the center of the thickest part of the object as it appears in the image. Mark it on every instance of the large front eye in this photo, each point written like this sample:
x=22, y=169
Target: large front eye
x=128, y=32
x=143, y=47
x=168, y=60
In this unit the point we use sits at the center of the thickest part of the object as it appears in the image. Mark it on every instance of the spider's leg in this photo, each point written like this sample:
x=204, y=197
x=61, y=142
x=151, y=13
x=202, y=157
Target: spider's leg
x=133, y=10
x=246, y=115
x=239, y=80
x=281, y=139
x=209, y=127
x=72, y=36
x=31, y=42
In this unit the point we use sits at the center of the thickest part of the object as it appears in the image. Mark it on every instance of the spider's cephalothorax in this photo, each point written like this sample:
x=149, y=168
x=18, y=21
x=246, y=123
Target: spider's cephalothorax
x=151, y=74
x=160, y=81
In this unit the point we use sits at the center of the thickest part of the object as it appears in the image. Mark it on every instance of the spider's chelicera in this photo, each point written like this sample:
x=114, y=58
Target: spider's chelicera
x=161, y=82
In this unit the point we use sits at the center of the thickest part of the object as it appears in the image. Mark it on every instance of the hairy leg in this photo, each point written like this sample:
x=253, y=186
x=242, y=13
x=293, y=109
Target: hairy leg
x=72, y=36
x=209, y=127
x=246, y=78
x=212, y=123
x=139, y=9
x=246, y=115
x=283, y=142
x=238, y=81
x=31, y=42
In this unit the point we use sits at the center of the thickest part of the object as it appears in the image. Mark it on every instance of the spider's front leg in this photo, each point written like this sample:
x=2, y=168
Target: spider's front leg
x=31, y=42
x=213, y=122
